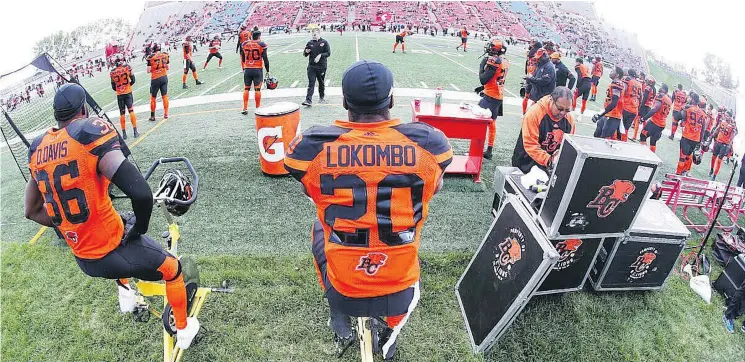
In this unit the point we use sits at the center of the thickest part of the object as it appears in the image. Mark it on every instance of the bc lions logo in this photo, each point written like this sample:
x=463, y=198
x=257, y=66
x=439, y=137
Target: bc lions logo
x=552, y=141
x=72, y=236
x=508, y=253
x=371, y=262
x=641, y=266
x=567, y=251
x=611, y=196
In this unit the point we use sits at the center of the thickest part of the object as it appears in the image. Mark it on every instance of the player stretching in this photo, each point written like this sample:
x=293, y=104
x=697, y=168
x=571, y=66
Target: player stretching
x=189, y=62
x=253, y=58
x=400, y=39
x=658, y=114
x=370, y=213
x=694, y=124
x=724, y=134
x=122, y=80
x=214, y=52
x=679, y=100
x=158, y=64
x=86, y=160
x=463, y=34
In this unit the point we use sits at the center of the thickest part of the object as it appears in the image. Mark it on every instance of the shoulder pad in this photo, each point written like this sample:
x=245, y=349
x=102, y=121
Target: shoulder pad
x=89, y=130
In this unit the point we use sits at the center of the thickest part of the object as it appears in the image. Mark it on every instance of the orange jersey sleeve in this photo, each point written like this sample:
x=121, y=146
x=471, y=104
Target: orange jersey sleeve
x=188, y=49
x=584, y=72
x=215, y=46
x=371, y=183
x=660, y=117
x=597, y=69
x=122, y=78
x=617, y=87
x=541, y=134
x=495, y=87
x=244, y=36
x=632, y=95
x=158, y=64
x=725, y=133
x=253, y=52
x=64, y=164
x=679, y=99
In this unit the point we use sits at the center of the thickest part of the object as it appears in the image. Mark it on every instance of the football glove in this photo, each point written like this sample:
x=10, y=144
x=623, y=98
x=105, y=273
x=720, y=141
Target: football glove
x=595, y=118
x=478, y=89
x=130, y=232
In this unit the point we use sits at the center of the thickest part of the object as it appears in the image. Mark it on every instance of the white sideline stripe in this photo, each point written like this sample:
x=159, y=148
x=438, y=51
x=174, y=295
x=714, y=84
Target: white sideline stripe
x=454, y=87
x=221, y=82
x=294, y=84
x=453, y=96
x=462, y=66
x=423, y=84
x=357, y=47
x=234, y=88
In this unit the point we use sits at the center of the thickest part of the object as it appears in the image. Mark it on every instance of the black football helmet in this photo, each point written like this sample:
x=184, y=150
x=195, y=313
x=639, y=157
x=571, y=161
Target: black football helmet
x=697, y=158
x=156, y=47
x=175, y=186
x=271, y=83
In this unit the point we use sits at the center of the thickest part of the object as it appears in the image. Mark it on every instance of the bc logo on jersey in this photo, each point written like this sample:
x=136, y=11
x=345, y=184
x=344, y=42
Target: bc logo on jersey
x=372, y=262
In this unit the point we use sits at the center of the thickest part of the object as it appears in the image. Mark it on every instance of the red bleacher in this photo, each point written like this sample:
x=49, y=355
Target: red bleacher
x=410, y=13
x=324, y=13
x=498, y=22
x=274, y=13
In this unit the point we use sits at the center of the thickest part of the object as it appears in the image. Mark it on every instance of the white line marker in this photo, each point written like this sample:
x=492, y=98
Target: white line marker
x=220, y=82
x=234, y=88
x=454, y=87
x=423, y=84
x=294, y=84
x=357, y=46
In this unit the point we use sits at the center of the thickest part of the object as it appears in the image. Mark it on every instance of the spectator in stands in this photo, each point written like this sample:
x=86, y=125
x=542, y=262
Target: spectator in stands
x=316, y=50
x=562, y=72
x=543, y=80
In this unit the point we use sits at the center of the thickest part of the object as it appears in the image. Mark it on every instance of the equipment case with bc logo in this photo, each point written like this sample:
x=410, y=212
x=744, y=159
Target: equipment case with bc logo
x=644, y=258
x=614, y=179
x=576, y=256
x=509, y=265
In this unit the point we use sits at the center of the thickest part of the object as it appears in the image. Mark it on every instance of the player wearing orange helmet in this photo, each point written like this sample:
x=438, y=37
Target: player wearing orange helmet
x=492, y=74
x=694, y=124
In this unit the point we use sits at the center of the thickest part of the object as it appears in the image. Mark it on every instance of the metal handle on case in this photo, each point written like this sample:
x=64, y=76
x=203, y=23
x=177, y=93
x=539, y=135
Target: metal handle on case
x=194, y=176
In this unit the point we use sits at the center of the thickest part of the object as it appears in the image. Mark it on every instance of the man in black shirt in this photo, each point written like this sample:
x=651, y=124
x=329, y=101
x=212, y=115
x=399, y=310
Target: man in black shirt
x=316, y=50
x=562, y=72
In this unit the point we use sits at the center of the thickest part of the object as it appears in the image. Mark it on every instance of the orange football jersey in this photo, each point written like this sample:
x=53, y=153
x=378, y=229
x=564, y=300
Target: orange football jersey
x=618, y=87
x=371, y=183
x=188, y=50
x=660, y=117
x=244, y=36
x=726, y=132
x=253, y=51
x=158, y=64
x=632, y=96
x=694, y=120
x=215, y=46
x=582, y=70
x=64, y=163
x=122, y=78
x=495, y=87
x=679, y=99
x=597, y=69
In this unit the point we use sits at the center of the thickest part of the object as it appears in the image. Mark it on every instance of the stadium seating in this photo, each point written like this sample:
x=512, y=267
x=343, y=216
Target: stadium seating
x=228, y=17
x=324, y=13
x=410, y=13
x=497, y=21
x=274, y=13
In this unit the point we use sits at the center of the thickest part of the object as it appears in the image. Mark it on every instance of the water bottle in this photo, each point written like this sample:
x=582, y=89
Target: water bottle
x=438, y=97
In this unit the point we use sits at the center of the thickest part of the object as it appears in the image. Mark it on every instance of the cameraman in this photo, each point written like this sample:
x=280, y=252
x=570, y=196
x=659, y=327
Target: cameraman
x=492, y=72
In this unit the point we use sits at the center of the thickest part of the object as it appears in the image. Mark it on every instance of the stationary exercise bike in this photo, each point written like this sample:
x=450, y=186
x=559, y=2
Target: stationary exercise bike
x=196, y=295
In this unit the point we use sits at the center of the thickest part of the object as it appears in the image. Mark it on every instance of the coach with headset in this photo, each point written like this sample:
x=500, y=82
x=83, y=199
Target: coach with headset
x=316, y=50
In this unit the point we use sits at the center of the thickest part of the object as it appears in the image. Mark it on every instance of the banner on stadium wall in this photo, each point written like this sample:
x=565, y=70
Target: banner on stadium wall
x=383, y=18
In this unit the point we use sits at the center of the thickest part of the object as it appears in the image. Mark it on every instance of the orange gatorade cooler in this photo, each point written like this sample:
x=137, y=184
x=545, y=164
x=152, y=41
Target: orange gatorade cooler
x=276, y=126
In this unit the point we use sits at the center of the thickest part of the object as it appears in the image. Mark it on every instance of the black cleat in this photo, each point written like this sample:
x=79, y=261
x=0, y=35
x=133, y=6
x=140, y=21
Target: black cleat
x=307, y=103
x=124, y=134
x=184, y=86
x=135, y=132
x=488, y=153
x=322, y=100
x=342, y=344
x=244, y=112
x=151, y=119
x=672, y=137
x=199, y=82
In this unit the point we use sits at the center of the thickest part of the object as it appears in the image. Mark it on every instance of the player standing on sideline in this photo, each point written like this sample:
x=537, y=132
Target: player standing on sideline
x=463, y=34
x=243, y=36
x=316, y=50
x=530, y=66
x=157, y=65
x=609, y=121
x=366, y=256
x=215, y=45
x=400, y=38
x=543, y=129
x=562, y=72
x=631, y=98
x=679, y=100
x=584, y=84
x=492, y=74
x=724, y=134
x=122, y=80
x=597, y=73
x=189, y=62
x=694, y=124
x=90, y=159
x=253, y=58
x=648, y=99
x=658, y=116
x=543, y=80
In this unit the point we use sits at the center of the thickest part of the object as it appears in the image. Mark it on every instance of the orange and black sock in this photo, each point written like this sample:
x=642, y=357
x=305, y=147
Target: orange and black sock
x=183, y=79
x=653, y=148
x=717, y=166
x=175, y=289
x=525, y=104
x=492, y=133
x=132, y=117
x=403, y=47
x=257, y=97
x=681, y=163
x=713, y=162
x=245, y=98
x=194, y=74
x=165, y=105
x=152, y=106
x=219, y=63
x=584, y=105
x=122, y=122
x=674, y=128
x=395, y=46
